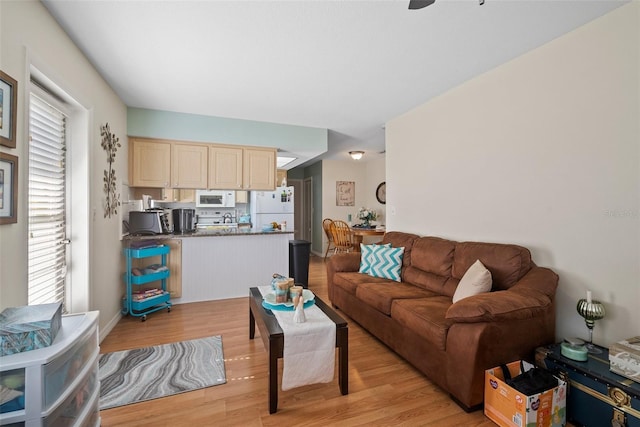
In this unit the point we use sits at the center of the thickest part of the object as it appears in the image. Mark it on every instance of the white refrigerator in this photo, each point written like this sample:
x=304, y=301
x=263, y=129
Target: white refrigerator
x=272, y=206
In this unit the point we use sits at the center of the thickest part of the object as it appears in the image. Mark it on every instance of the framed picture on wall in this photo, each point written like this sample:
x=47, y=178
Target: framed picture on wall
x=8, y=110
x=8, y=188
x=345, y=193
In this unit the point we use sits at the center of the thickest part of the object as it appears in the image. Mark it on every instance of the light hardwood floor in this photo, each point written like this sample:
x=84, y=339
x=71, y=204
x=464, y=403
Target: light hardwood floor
x=384, y=390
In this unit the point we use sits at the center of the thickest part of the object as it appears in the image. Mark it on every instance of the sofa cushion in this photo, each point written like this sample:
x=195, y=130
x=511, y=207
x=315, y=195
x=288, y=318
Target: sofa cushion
x=433, y=255
x=507, y=263
x=399, y=239
x=367, y=257
x=425, y=317
x=386, y=262
x=349, y=282
x=380, y=295
x=476, y=280
x=425, y=280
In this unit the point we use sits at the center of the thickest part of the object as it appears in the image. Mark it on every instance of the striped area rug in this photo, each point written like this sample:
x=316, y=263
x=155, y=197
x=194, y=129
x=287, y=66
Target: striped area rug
x=137, y=375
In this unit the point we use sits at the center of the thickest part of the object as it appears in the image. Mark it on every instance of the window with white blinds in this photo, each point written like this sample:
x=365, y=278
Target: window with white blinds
x=47, y=203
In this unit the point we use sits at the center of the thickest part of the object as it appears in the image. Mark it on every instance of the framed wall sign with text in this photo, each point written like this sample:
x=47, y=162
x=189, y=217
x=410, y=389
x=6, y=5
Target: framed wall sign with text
x=345, y=193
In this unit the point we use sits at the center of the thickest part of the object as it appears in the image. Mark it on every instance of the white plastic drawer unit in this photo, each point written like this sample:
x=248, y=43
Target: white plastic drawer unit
x=59, y=373
x=69, y=411
x=59, y=383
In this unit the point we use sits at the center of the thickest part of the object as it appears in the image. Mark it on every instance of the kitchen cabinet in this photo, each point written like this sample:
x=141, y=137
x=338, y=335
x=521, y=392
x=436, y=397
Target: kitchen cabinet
x=177, y=195
x=225, y=275
x=242, y=196
x=188, y=165
x=59, y=383
x=248, y=168
x=181, y=165
x=259, y=169
x=174, y=262
x=149, y=163
x=225, y=168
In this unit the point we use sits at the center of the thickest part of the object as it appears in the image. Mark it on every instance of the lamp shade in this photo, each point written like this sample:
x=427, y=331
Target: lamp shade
x=356, y=155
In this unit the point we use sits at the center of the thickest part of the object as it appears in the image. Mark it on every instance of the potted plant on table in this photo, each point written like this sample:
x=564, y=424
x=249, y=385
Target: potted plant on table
x=367, y=215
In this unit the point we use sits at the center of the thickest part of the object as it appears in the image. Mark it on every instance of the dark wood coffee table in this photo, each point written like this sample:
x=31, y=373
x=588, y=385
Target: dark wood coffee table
x=273, y=339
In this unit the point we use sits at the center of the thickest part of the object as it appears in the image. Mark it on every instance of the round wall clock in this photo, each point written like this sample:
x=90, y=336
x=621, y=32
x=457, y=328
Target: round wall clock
x=381, y=193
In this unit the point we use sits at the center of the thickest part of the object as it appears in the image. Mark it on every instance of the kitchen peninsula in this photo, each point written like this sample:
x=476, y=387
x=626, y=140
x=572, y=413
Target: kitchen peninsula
x=225, y=263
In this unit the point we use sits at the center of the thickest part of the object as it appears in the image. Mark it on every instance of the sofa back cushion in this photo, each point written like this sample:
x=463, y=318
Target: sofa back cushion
x=438, y=264
x=431, y=263
x=433, y=255
x=398, y=239
x=507, y=263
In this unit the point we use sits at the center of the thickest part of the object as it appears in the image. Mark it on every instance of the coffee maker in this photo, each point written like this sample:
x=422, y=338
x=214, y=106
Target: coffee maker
x=184, y=220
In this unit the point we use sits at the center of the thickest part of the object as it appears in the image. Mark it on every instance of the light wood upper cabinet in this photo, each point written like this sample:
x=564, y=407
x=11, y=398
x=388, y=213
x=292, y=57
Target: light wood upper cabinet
x=259, y=169
x=149, y=163
x=225, y=168
x=188, y=166
x=242, y=196
x=156, y=163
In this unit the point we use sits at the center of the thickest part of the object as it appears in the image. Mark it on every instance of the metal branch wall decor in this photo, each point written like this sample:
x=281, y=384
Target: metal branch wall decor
x=110, y=143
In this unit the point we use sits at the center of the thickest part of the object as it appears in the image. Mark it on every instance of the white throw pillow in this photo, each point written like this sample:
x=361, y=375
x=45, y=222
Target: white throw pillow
x=475, y=281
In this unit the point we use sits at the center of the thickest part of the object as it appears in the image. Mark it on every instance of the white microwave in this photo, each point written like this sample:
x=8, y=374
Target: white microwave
x=215, y=198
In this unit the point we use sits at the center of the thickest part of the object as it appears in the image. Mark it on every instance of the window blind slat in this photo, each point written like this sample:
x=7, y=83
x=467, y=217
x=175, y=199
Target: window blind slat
x=47, y=202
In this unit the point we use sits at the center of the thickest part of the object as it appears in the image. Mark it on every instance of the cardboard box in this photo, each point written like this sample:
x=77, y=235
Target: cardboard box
x=624, y=358
x=508, y=407
x=29, y=327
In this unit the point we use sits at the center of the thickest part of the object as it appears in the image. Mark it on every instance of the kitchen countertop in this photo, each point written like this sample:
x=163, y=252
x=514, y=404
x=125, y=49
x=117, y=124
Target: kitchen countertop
x=242, y=231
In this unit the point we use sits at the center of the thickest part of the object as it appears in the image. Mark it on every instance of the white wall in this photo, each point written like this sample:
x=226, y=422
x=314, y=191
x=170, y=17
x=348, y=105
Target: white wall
x=543, y=151
x=366, y=175
x=376, y=174
x=28, y=34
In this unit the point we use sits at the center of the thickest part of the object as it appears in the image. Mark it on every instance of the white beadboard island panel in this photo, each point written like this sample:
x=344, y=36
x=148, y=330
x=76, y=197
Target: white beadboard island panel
x=226, y=266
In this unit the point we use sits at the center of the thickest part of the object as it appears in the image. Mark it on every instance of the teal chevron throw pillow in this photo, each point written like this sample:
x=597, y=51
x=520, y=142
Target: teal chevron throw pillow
x=365, y=256
x=381, y=261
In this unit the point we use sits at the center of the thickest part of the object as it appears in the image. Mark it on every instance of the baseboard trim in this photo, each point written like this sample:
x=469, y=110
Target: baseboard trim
x=103, y=332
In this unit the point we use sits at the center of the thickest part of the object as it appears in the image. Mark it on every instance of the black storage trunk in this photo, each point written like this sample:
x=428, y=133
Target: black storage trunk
x=596, y=396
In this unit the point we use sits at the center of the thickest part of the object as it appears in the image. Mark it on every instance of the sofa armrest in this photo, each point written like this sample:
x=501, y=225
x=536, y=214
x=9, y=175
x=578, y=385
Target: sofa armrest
x=345, y=262
x=530, y=297
x=349, y=261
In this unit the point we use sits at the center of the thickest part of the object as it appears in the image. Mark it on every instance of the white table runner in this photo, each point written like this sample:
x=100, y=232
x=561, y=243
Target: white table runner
x=309, y=347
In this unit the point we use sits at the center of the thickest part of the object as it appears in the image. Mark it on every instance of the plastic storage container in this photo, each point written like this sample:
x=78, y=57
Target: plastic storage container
x=60, y=382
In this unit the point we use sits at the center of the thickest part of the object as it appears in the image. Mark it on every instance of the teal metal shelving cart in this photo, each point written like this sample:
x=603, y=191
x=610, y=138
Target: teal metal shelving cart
x=140, y=308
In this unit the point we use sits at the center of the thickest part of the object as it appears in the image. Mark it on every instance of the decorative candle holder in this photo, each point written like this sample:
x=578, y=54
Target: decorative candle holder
x=591, y=310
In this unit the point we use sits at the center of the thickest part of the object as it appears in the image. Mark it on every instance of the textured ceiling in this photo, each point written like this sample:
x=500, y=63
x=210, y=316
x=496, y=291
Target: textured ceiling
x=348, y=66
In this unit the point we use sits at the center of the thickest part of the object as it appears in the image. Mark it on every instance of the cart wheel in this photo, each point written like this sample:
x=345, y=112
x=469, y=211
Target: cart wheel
x=143, y=318
x=168, y=309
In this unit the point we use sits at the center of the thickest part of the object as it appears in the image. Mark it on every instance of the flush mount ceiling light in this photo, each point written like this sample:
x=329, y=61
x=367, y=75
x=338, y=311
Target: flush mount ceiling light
x=356, y=155
x=419, y=4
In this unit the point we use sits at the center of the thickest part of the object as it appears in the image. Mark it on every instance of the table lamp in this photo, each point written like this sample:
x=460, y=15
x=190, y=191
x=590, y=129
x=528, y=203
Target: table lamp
x=591, y=310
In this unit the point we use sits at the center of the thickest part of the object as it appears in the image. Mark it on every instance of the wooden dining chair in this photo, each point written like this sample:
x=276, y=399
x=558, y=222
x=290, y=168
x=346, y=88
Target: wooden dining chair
x=342, y=236
x=326, y=226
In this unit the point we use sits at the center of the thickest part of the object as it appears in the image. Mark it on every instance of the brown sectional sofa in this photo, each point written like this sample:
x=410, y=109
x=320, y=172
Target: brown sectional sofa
x=452, y=344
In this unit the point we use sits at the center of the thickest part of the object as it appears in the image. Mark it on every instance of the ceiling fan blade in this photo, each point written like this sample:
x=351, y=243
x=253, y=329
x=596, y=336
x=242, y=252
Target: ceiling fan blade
x=419, y=4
